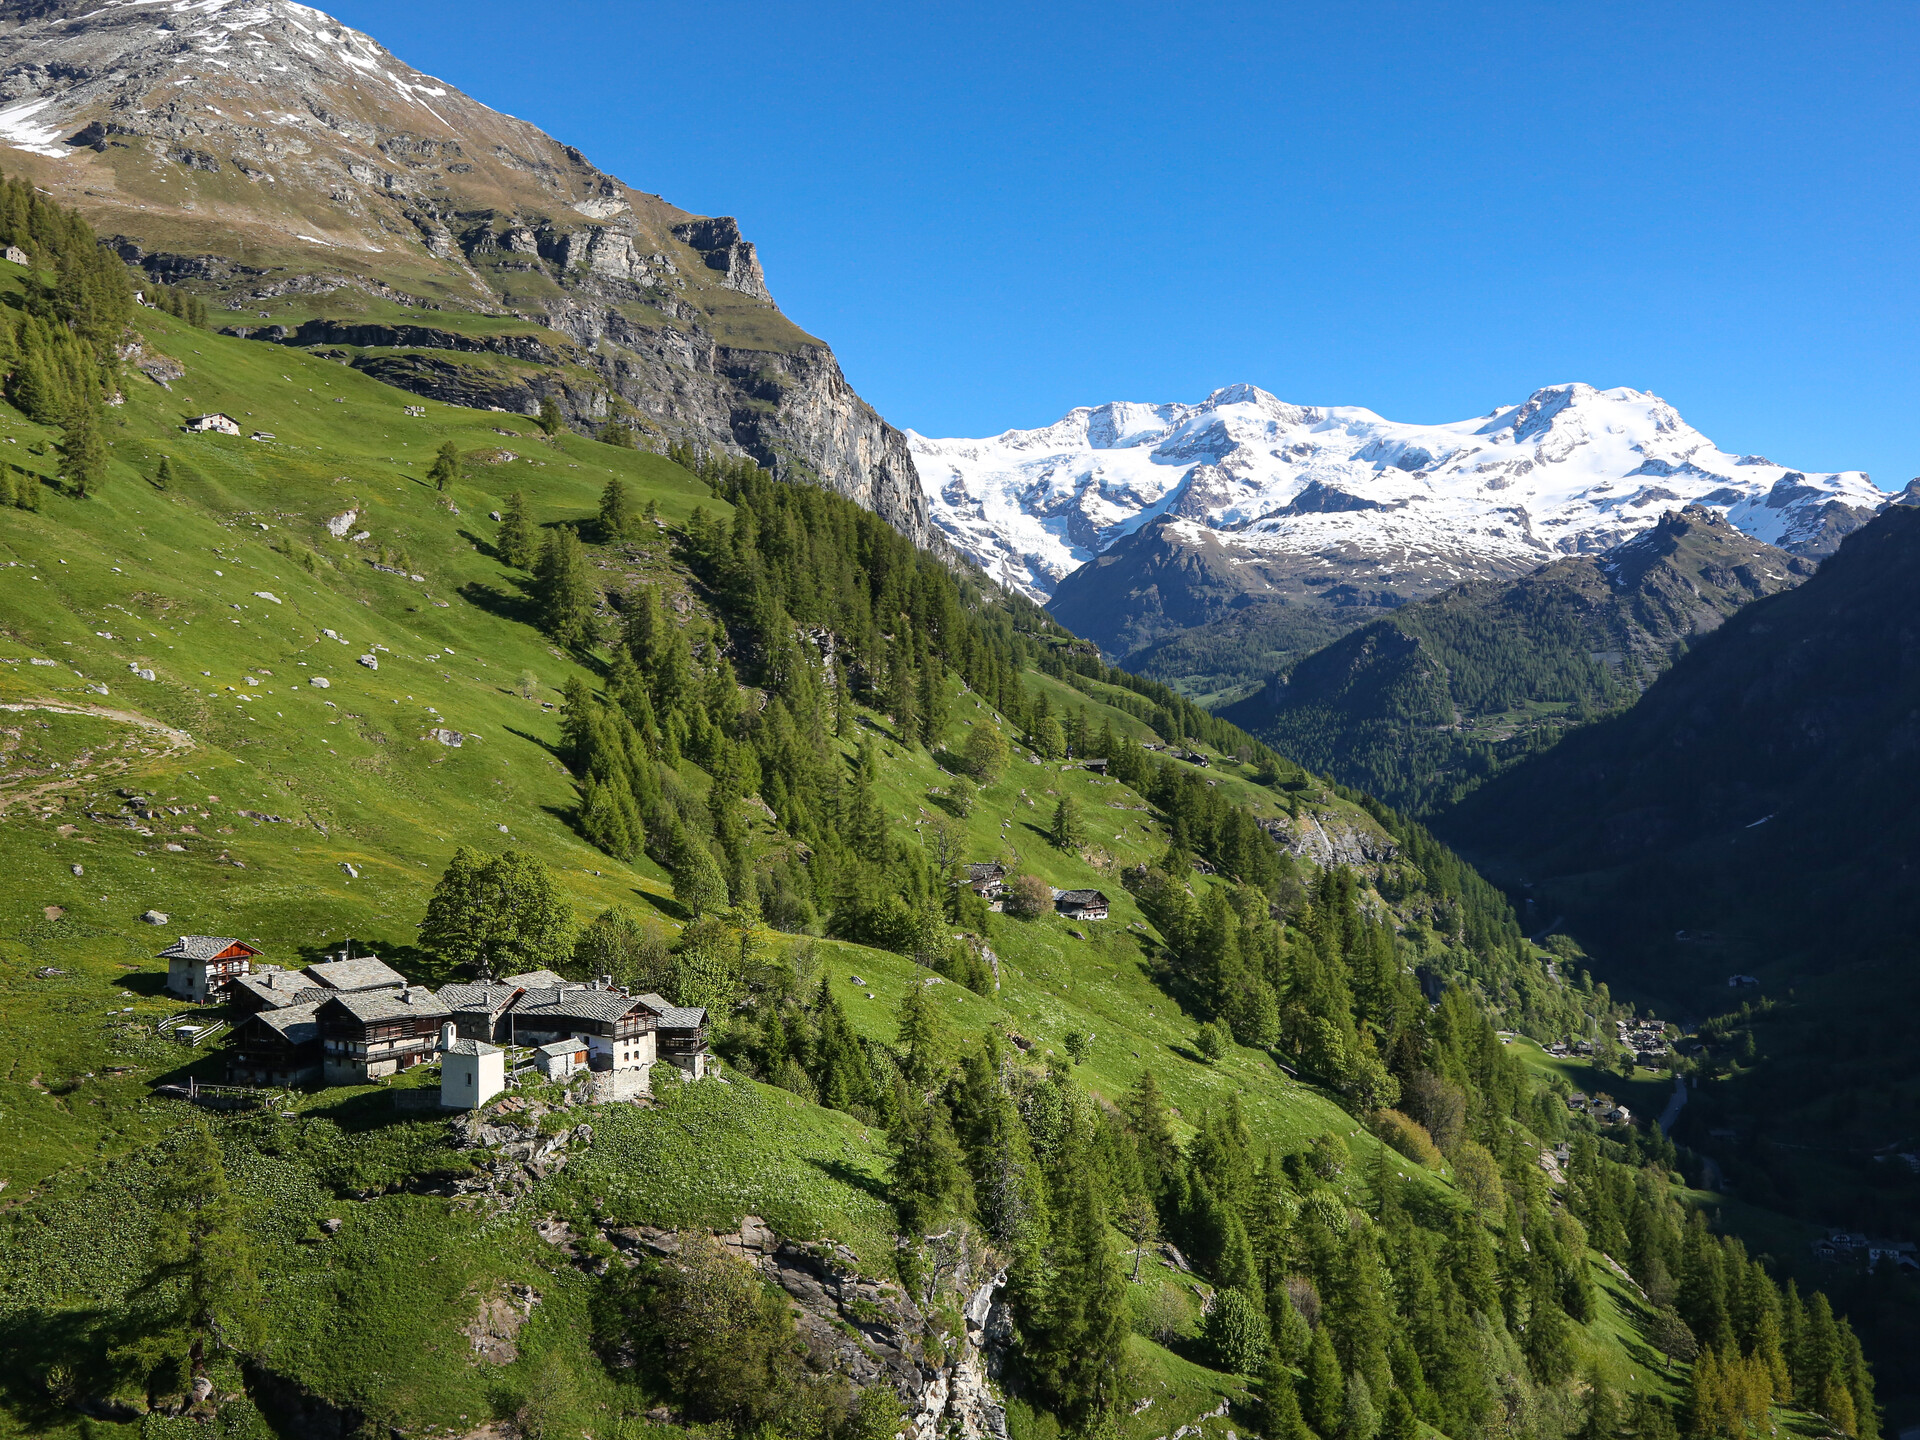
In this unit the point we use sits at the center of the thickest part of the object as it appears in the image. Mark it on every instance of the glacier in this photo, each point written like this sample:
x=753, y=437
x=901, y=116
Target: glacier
x=1569, y=470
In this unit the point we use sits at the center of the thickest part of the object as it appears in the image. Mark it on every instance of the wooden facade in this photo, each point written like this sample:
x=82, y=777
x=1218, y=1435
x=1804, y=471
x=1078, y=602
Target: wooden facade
x=369, y=1035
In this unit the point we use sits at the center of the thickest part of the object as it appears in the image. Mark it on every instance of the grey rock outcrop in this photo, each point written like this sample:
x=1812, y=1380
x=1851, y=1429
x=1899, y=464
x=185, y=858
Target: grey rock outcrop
x=450, y=250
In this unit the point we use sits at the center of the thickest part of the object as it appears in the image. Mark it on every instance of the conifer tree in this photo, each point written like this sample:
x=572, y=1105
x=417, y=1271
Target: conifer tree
x=83, y=451
x=929, y=1180
x=549, y=419
x=1076, y=1347
x=1280, y=1417
x=839, y=1066
x=201, y=1299
x=616, y=511
x=1325, y=1397
x=446, y=466
x=515, y=536
x=697, y=881
x=565, y=589
x=1064, y=831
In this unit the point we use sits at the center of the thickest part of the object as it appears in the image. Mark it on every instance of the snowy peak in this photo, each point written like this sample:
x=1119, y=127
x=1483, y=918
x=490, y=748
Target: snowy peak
x=1571, y=469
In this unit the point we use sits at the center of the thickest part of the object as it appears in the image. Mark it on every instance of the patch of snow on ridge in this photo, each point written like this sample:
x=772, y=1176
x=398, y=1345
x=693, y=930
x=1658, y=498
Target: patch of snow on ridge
x=18, y=130
x=1569, y=470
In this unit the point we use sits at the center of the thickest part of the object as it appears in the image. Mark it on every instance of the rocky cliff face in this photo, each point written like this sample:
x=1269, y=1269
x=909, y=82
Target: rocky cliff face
x=328, y=195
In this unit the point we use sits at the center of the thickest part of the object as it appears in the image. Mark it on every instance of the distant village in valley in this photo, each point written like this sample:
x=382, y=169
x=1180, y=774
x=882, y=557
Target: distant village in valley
x=354, y=1020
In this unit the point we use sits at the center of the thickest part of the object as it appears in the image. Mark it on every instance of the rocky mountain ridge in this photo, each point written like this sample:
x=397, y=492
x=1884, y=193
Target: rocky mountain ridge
x=291, y=169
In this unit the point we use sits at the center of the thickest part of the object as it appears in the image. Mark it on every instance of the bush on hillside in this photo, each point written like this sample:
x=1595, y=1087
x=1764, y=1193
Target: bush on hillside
x=1027, y=897
x=1408, y=1136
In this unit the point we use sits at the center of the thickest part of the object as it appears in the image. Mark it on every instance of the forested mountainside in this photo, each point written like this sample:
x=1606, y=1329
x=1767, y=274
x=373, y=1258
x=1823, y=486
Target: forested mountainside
x=1172, y=1139
x=1747, y=818
x=317, y=192
x=1421, y=707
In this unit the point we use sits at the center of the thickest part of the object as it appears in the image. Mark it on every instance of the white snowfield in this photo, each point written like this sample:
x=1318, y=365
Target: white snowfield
x=1570, y=470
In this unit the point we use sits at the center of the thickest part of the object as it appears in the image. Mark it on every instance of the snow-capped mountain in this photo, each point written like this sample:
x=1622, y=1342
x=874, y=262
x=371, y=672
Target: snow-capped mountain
x=1404, y=508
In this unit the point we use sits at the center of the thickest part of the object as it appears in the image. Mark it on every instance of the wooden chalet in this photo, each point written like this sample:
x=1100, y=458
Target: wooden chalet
x=682, y=1032
x=371, y=1034
x=1081, y=904
x=201, y=967
x=616, y=1028
x=1096, y=766
x=276, y=1046
x=987, y=881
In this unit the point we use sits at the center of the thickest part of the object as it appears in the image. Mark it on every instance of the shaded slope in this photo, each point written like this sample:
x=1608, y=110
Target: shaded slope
x=1759, y=790
x=1419, y=707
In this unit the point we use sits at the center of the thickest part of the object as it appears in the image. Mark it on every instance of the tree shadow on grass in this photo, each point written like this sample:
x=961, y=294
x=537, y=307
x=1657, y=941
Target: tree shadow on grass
x=546, y=745
x=672, y=909
x=858, y=1179
x=519, y=608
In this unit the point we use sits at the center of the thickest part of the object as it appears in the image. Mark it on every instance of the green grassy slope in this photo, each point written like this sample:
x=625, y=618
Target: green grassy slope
x=349, y=776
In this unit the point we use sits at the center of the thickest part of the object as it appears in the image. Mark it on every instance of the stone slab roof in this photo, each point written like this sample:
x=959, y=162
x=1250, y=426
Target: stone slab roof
x=580, y=1004
x=368, y=972
x=535, y=980
x=279, y=988
x=481, y=997
x=472, y=1047
x=296, y=1024
x=370, y=1005
x=202, y=947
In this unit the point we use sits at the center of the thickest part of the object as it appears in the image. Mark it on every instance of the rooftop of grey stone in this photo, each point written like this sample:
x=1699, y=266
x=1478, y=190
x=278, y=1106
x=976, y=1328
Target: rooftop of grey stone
x=200, y=947
x=365, y=972
x=388, y=1004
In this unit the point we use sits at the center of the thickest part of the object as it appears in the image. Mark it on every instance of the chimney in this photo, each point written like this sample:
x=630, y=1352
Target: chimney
x=447, y=1036
x=406, y=995
x=606, y=982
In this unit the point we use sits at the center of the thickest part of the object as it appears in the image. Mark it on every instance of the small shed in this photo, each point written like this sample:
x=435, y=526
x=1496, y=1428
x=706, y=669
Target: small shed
x=215, y=423
x=1095, y=766
x=560, y=1058
x=472, y=1072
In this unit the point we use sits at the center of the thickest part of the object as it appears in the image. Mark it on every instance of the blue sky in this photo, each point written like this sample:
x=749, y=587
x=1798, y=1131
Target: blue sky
x=995, y=212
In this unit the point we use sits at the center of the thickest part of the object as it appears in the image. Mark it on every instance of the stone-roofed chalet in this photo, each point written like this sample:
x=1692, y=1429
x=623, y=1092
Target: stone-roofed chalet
x=1081, y=904
x=537, y=980
x=371, y=1034
x=272, y=988
x=987, y=880
x=618, y=1028
x=682, y=1032
x=277, y=1046
x=201, y=967
x=480, y=1009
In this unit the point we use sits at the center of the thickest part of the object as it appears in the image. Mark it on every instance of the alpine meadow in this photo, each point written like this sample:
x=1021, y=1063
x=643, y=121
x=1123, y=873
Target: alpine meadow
x=560, y=881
